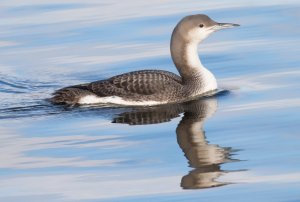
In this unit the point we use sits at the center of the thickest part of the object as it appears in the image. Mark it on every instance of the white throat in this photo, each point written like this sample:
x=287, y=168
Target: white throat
x=186, y=59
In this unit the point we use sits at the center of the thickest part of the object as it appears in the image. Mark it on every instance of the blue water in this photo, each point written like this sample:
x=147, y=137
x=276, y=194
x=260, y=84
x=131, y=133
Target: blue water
x=241, y=145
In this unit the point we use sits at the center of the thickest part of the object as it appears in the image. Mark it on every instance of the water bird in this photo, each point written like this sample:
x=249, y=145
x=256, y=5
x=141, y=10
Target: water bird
x=155, y=87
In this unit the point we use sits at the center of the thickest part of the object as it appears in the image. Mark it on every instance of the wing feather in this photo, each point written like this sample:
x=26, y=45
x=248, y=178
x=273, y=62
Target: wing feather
x=146, y=82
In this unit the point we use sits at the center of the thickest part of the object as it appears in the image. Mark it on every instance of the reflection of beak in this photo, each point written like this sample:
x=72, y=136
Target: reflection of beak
x=219, y=26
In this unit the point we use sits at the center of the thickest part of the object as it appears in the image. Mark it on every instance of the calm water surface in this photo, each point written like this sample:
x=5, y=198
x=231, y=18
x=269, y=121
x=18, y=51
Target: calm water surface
x=241, y=145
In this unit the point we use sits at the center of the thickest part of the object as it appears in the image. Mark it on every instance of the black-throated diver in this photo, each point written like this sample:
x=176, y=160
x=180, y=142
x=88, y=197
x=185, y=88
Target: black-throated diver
x=154, y=87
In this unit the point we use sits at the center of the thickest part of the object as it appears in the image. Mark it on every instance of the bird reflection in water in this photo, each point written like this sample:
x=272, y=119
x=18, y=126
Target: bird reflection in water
x=204, y=158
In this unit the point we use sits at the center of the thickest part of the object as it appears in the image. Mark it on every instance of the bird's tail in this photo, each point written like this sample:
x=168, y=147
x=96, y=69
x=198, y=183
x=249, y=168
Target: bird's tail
x=70, y=95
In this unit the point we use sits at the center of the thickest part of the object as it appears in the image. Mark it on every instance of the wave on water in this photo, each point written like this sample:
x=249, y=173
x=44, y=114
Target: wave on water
x=23, y=97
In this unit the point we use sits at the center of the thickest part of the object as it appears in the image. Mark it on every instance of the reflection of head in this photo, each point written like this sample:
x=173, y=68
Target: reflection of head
x=199, y=179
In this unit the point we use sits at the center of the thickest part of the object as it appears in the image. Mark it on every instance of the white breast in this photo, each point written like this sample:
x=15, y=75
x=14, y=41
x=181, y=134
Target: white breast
x=209, y=80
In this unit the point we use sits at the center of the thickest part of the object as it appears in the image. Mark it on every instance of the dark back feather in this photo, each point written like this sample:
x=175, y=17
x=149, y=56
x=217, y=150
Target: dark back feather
x=146, y=82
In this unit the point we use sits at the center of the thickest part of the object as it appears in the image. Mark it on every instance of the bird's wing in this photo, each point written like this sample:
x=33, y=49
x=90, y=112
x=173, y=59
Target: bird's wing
x=146, y=82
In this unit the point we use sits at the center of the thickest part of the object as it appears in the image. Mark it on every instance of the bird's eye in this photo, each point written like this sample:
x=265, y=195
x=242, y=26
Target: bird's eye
x=201, y=25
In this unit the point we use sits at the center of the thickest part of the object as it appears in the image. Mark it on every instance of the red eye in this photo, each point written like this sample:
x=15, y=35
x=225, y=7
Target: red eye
x=201, y=25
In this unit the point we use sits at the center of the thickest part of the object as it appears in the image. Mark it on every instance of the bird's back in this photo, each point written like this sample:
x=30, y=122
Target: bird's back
x=138, y=87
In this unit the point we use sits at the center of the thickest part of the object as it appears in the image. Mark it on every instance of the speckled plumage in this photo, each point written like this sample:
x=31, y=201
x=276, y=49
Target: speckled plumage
x=153, y=87
x=138, y=85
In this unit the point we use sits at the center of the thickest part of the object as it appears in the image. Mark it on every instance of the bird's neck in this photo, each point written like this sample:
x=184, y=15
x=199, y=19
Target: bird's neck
x=186, y=59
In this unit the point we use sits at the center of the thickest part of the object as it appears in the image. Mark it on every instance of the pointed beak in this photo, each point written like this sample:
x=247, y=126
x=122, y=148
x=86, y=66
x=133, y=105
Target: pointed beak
x=219, y=26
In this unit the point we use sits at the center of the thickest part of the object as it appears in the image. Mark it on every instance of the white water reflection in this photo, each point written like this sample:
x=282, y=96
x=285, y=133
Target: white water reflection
x=276, y=104
x=127, y=52
x=73, y=187
x=81, y=14
x=8, y=43
x=252, y=177
x=15, y=148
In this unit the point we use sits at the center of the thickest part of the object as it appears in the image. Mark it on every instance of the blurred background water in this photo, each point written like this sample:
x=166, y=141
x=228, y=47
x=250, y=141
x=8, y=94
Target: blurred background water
x=240, y=146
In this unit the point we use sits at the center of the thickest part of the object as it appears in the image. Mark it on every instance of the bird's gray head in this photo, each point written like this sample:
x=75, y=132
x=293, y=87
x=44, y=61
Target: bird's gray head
x=195, y=28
